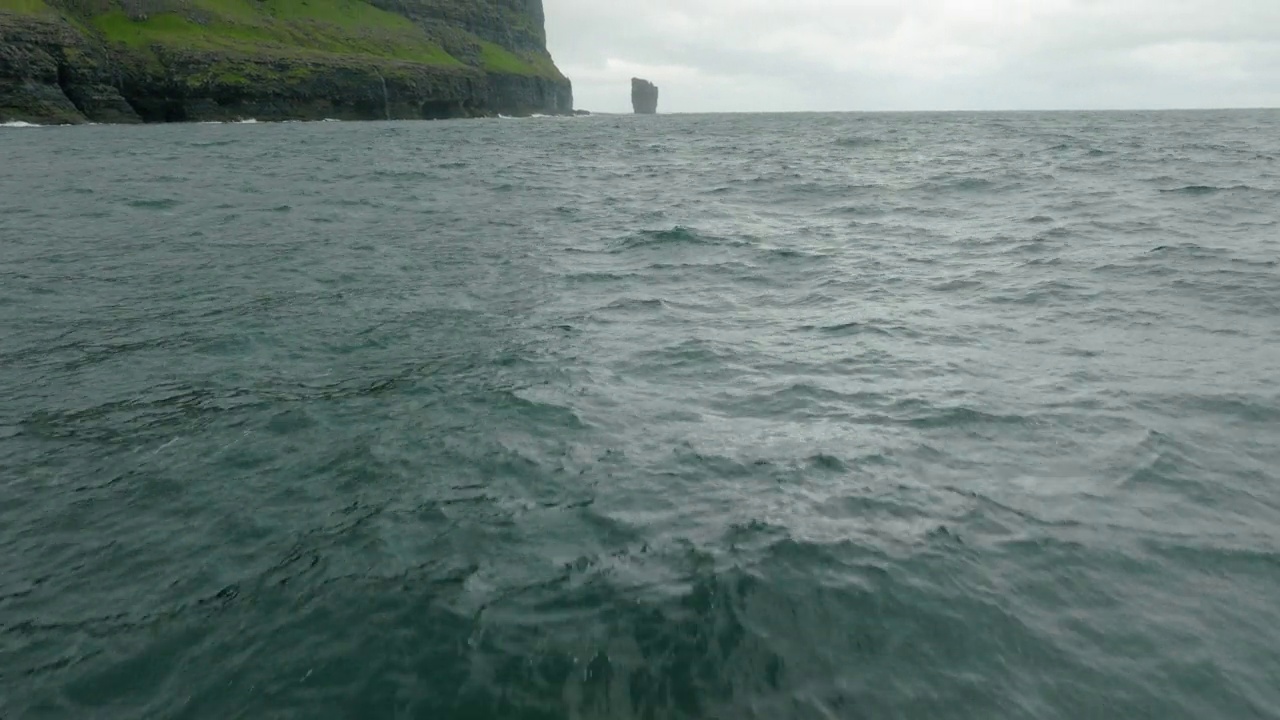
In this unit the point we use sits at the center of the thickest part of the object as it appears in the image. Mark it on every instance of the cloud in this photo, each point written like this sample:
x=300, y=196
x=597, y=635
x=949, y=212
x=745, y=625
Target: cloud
x=762, y=55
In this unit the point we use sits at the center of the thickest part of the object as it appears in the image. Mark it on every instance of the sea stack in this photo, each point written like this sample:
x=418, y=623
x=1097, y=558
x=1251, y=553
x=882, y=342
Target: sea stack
x=644, y=97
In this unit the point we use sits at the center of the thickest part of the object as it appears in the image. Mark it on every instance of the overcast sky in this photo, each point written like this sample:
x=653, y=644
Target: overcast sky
x=780, y=55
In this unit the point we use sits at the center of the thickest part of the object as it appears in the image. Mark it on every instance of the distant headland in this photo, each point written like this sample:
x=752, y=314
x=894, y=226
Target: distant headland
x=71, y=61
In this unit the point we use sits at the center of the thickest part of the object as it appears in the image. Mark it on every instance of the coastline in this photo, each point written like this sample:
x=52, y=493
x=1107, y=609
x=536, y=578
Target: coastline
x=340, y=59
x=23, y=124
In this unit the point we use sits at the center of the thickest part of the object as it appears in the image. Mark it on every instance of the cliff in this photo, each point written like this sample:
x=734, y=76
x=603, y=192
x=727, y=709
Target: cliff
x=644, y=97
x=67, y=61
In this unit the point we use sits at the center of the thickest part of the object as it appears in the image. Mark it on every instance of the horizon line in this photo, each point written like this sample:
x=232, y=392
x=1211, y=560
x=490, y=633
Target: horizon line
x=947, y=111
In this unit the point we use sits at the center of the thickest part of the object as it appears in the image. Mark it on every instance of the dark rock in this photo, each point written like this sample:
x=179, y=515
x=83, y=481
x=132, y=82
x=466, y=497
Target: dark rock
x=644, y=97
x=48, y=74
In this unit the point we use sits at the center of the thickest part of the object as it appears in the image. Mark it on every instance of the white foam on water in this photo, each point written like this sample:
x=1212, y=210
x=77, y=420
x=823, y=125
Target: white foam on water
x=532, y=116
x=247, y=121
x=18, y=123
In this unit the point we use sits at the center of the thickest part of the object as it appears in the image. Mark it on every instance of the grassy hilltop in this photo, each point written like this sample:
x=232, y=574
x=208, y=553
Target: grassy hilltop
x=117, y=60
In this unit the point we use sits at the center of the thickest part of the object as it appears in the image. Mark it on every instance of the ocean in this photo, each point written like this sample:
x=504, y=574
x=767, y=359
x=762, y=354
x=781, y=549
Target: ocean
x=882, y=416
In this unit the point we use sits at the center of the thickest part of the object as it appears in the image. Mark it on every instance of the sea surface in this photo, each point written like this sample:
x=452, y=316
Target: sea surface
x=675, y=417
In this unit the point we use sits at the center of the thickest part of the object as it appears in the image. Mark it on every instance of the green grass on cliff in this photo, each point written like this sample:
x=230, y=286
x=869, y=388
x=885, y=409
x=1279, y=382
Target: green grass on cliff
x=24, y=7
x=498, y=59
x=241, y=31
x=279, y=27
x=348, y=14
x=245, y=73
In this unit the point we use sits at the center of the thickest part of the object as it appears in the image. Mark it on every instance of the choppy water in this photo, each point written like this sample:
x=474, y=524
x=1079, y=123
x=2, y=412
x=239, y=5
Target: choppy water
x=953, y=416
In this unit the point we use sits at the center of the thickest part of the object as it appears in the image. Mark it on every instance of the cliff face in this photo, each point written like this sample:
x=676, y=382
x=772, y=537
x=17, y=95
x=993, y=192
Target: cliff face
x=180, y=60
x=644, y=97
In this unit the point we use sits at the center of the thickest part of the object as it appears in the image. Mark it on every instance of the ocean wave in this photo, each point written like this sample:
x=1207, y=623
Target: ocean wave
x=962, y=417
x=627, y=304
x=601, y=276
x=959, y=185
x=845, y=329
x=805, y=399
x=19, y=124
x=1087, y=150
x=402, y=174
x=687, y=353
x=857, y=141
x=676, y=236
x=1189, y=249
x=861, y=210
x=615, y=447
x=1208, y=189
x=155, y=203
x=794, y=253
x=954, y=285
x=648, y=630
x=1241, y=408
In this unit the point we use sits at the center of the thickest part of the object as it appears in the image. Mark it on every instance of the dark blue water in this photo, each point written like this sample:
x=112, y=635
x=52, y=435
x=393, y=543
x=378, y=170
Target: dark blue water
x=808, y=416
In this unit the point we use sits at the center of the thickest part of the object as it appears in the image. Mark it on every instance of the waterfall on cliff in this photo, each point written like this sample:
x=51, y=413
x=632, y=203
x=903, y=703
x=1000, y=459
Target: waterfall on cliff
x=386, y=100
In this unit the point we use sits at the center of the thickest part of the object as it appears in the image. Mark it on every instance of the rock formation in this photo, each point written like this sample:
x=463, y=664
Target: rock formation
x=66, y=61
x=644, y=97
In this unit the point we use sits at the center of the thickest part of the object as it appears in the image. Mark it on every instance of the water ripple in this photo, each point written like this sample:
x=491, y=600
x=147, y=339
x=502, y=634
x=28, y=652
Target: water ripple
x=795, y=416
